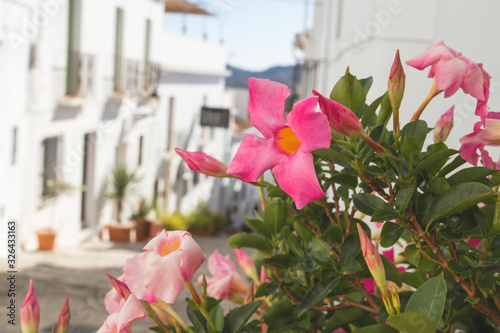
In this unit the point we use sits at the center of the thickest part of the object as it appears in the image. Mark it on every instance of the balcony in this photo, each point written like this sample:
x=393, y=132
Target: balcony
x=134, y=78
x=80, y=75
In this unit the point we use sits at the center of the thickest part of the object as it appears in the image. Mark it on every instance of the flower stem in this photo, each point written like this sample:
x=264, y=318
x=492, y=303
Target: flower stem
x=168, y=309
x=261, y=193
x=432, y=93
x=395, y=126
x=193, y=292
x=153, y=316
x=496, y=218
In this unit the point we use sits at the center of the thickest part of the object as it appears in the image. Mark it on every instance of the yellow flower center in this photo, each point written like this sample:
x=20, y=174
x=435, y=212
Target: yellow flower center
x=170, y=246
x=288, y=141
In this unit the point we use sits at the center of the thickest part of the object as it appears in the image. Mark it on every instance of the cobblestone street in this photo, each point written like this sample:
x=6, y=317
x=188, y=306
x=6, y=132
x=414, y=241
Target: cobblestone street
x=79, y=273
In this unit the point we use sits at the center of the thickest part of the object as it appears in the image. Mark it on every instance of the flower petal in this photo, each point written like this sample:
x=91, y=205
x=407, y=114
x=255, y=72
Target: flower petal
x=297, y=177
x=474, y=81
x=431, y=55
x=131, y=311
x=134, y=271
x=449, y=74
x=163, y=278
x=191, y=256
x=218, y=286
x=267, y=105
x=310, y=127
x=254, y=157
x=219, y=265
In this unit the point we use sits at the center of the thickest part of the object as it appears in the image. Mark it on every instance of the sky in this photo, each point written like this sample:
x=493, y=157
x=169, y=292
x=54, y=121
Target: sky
x=257, y=34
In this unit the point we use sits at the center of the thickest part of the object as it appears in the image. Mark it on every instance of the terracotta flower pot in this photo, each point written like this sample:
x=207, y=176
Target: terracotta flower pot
x=46, y=239
x=155, y=228
x=142, y=227
x=119, y=233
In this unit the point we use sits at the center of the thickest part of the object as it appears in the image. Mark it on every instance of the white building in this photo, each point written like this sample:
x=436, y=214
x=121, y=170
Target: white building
x=364, y=35
x=76, y=79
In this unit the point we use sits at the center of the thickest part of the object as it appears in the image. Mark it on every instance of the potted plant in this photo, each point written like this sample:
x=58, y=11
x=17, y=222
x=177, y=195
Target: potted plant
x=119, y=187
x=142, y=224
x=47, y=235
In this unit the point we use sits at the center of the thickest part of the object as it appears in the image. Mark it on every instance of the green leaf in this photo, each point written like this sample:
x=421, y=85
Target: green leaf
x=412, y=322
x=217, y=315
x=370, y=111
x=403, y=198
x=458, y=161
x=302, y=231
x=382, y=215
x=458, y=198
x=278, y=193
x=416, y=129
x=237, y=318
x=429, y=298
x=391, y=232
x=342, y=317
x=472, y=174
x=434, y=159
x=317, y=294
x=366, y=83
x=244, y=239
x=349, y=92
x=275, y=216
x=414, y=280
x=350, y=249
x=385, y=112
x=368, y=203
x=411, y=148
x=292, y=241
x=345, y=179
x=331, y=153
x=282, y=261
x=259, y=227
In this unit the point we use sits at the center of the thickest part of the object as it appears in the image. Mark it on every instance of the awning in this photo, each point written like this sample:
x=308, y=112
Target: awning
x=185, y=7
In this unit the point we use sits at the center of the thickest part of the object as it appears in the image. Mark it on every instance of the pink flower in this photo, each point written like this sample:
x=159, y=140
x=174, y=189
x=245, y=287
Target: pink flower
x=287, y=144
x=396, y=82
x=264, y=278
x=121, y=321
x=479, y=138
x=344, y=121
x=225, y=281
x=168, y=260
x=64, y=317
x=200, y=162
x=452, y=71
x=444, y=125
x=30, y=312
x=246, y=265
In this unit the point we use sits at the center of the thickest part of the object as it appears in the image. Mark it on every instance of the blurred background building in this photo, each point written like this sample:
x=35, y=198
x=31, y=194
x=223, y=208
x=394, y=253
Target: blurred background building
x=88, y=85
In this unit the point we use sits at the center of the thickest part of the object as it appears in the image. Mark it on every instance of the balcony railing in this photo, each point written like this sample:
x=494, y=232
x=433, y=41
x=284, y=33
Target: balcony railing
x=135, y=78
x=80, y=75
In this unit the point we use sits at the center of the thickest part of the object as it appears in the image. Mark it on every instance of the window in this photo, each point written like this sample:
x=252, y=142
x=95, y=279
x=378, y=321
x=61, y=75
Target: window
x=118, y=84
x=14, y=146
x=147, y=62
x=170, y=118
x=141, y=144
x=72, y=82
x=50, y=148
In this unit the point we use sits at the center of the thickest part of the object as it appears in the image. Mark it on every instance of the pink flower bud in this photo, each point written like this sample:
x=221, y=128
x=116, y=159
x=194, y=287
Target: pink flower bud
x=247, y=265
x=373, y=261
x=64, y=317
x=264, y=278
x=444, y=125
x=200, y=162
x=396, y=84
x=30, y=312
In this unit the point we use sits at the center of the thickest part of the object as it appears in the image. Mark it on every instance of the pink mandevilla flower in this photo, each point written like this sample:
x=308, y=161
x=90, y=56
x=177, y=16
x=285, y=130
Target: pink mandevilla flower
x=287, y=143
x=64, y=317
x=479, y=138
x=121, y=321
x=452, y=71
x=225, y=281
x=444, y=125
x=168, y=261
x=200, y=162
x=115, y=298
